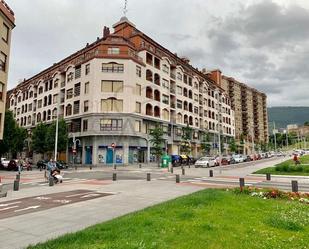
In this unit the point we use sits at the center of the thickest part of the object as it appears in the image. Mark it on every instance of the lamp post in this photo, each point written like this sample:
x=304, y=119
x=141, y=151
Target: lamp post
x=57, y=126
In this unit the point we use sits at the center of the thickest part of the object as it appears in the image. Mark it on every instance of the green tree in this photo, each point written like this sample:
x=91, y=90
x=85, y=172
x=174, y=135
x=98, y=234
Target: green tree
x=39, y=137
x=13, y=136
x=186, y=139
x=63, y=136
x=157, y=140
x=205, y=145
x=232, y=145
x=306, y=123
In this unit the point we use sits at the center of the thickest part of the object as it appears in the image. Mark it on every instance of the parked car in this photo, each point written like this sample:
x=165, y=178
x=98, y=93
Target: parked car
x=61, y=165
x=239, y=158
x=12, y=165
x=248, y=159
x=42, y=164
x=5, y=162
x=205, y=162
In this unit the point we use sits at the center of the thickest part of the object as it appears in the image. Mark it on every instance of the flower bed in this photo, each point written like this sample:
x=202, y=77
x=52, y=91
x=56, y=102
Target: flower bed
x=273, y=194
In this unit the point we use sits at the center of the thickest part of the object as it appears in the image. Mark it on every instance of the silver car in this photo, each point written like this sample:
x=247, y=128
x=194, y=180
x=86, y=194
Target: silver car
x=205, y=162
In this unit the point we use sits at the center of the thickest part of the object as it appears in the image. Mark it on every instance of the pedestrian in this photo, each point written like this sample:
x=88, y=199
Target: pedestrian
x=296, y=159
x=20, y=164
x=51, y=165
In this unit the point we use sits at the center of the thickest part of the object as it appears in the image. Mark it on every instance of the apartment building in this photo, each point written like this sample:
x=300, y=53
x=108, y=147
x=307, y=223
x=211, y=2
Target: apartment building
x=116, y=89
x=250, y=106
x=7, y=21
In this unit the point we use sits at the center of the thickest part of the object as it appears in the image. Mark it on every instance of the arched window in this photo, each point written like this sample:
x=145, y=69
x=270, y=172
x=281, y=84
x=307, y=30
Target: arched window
x=190, y=94
x=157, y=113
x=185, y=92
x=190, y=107
x=49, y=99
x=179, y=118
x=48, y=114
x=29, y=120
x=44, y=116
x=185, y=105
x=190, y=120
x=149, y=75
x=196, y=122
x=185, y=119
x=149, y=111
x=149, y=92
x=54, y=114
x=157, y=96
x=210, y=126
x=38, y=118
x=166, y=114
x=157, y=79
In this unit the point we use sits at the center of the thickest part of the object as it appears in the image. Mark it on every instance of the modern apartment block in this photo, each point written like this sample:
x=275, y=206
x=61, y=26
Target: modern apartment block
x=250, y=106
x=116, y=89
x=7, y=21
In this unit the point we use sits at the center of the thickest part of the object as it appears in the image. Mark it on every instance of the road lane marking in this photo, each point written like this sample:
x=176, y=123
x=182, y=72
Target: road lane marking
x=42, y=198
x=3, y=209
x=90, y=195
x=62, y=201
x=68, y=196
x=28, y=208
x=7, y=204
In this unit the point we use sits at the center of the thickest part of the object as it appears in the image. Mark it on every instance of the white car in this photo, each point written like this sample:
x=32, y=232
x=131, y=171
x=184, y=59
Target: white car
x=205, y=162
x=239, y=158
x=5, y=162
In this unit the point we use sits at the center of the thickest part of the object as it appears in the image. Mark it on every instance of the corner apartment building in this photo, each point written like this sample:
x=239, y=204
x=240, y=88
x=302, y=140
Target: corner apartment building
x=7, y=21
x=116, y=89
x=250, y=107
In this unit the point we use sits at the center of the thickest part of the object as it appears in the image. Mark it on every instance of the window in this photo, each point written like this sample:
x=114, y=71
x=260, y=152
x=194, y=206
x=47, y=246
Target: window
x=165, y=99
x=138, y=71
x=179, y=90
x=179, y=104
x=87, y=69
x=195, y=110
x=86, y=106
x=70, y=93
x=1, y=91
x=165, y=68
x=30, y=107
x=138, y=107
x=70, y=76
x=138, y=90
x=111, y=86
x=86, y=90
x=40, y=89
x=85, y=124
x=40, y=103
x=3, y=61
x=5, y=33
x=56, y=83
x=165, y=83
x=138, y=126
x=77, y=89
x=112, y=67
x=179, y=76
x=113, y=51
x=55, y=98
x=76, y=107
x=195, y=97
x=111, y=105
x=78, y=71
x=111, y=124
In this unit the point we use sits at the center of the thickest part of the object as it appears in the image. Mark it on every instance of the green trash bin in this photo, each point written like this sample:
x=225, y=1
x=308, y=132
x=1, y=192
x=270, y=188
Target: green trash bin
x=165, y=160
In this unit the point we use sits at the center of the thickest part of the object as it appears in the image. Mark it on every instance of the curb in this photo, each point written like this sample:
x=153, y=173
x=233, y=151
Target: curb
x=282, y=176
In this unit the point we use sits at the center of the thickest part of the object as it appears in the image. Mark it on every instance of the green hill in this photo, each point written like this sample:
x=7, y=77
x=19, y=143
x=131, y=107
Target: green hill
x=285, y=115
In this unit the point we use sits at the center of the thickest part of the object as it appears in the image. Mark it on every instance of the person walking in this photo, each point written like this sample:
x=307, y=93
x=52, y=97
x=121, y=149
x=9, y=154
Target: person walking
x=51, y=165
x=296, y=159
x=20, y=163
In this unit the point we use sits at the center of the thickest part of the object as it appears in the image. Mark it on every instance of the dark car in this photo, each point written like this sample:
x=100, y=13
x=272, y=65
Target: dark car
x=191, y=160
x=248, y=159
x=42, y=164
x=61, y=165
x=12, y=165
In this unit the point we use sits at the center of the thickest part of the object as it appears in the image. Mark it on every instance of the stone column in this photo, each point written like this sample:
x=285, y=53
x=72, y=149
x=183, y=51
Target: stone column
x=125, y=152
x=94, y=150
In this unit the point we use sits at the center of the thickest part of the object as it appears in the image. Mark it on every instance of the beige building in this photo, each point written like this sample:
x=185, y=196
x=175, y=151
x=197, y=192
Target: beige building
x=7, y=21
x=116, y=89
x=250, y=107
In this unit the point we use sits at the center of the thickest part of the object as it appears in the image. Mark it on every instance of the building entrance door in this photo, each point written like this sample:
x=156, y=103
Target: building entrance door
x=88, y=159
x=109, y=156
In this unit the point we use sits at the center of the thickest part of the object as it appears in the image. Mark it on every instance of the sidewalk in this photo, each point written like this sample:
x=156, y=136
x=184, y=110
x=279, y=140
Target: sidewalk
x=127, y=197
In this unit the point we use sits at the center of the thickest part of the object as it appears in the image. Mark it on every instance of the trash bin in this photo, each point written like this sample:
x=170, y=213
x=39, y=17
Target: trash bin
x=165, y=161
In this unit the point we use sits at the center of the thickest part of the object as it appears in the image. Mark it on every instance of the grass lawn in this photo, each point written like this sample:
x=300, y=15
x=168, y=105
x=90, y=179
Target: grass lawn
x=288, y=168
x=214, y=219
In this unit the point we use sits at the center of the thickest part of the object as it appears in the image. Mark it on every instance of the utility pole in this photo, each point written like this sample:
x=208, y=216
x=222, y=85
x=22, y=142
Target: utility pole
x=287, y=140
x=275, y=137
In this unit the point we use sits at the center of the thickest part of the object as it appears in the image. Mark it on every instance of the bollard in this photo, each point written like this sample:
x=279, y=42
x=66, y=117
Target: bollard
x=18, y=177
x=294, y=186
x=172, y=169
x=211, y=173
x=183, y=171
x=140, y=165
x=148, y=177
x=268, y=177
x=75, y=167
x=241, y=182
x=40, y=168
x=189, y=166
x=177, y=178
x=90, y=167
x=114, y=176
x=50, y=181
x=115, y=167
x=16, y=185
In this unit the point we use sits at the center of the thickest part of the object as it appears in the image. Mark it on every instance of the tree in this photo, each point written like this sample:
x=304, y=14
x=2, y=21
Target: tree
x=39, y=137
x=205, y=145
x=63, y=136
x=232, y=145
x=13, y=136
x=306, y=123
x=186, y=139
x=157, y=141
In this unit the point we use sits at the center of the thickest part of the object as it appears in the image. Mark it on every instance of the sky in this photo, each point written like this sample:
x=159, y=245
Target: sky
x=263, y=43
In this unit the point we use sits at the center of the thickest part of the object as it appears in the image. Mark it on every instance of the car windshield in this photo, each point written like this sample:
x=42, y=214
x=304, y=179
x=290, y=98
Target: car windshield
x=204, y=159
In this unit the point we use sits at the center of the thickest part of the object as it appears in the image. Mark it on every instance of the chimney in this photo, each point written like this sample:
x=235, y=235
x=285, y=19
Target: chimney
x=185, y=59
x=216, y=76
x=106, y=32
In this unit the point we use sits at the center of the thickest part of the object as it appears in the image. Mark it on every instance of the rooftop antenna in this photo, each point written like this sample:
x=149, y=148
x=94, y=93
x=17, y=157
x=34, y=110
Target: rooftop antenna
x=125, y=9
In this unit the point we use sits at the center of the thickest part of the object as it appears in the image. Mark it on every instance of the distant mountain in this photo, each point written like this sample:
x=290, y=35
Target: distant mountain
x=284, y=115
